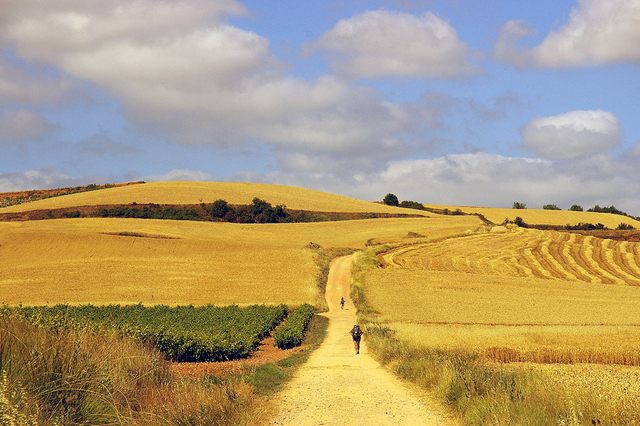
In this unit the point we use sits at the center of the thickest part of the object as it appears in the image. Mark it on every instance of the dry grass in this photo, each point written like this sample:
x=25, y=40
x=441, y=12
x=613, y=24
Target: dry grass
x=99, y=261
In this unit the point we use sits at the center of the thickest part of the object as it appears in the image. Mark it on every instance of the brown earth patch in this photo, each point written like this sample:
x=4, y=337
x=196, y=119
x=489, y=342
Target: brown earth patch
x=266, y=353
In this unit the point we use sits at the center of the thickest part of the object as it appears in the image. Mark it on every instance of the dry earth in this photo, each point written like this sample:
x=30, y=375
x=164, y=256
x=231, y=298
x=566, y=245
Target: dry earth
x=337, y=387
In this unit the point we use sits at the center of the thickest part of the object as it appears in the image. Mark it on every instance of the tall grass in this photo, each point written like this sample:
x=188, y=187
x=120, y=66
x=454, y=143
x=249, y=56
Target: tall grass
x=60, y=378
x=483, y=392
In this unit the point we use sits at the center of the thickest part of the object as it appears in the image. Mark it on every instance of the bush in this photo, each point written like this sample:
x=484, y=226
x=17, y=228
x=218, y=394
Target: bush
x=519, y=206
x=412, y=205
x=518, y=221
x=290, y=334
x=391, y=200
x=625, y=227
x=575, y=208
x=550, y=207
x=219, y=209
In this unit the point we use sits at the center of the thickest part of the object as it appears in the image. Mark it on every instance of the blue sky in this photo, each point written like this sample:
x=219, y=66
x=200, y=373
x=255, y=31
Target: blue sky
x=443, y=102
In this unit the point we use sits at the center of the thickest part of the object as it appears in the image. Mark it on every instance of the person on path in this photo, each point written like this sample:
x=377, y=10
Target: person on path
x=342, y=303
x=356, y=333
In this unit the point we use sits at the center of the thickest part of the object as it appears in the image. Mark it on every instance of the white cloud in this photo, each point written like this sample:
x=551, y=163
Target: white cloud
x=481, y=179
x=376, y=44
x=23, y=126
x=572, y=135
x=36, y=179
x=183, y=73
x=180, y=174
x=598, y=32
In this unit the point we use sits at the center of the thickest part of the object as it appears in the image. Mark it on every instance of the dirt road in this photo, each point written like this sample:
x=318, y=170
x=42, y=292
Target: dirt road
x=338, y=387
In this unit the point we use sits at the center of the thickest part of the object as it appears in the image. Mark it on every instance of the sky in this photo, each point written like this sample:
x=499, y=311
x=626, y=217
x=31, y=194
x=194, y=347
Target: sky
x=455, y=102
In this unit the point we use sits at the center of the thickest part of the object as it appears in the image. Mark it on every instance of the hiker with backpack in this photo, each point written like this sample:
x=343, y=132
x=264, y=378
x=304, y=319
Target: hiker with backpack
x=356, y=333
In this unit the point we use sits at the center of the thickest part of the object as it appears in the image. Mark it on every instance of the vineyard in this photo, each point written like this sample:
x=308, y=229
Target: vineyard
x=184, y=333
x=527, y=253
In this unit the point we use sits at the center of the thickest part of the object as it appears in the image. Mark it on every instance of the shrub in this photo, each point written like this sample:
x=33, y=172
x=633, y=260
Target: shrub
x=290, y=334
x=550, y=207
x=411, y=205
x=519, y=206
x=219, y=209
x=625, y=227
x=575, y=208
x=518, y=221
x=391, y=200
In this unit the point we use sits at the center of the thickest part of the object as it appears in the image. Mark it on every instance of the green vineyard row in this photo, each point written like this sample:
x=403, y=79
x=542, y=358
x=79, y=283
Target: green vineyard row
x=290, y=334
x=183, y=333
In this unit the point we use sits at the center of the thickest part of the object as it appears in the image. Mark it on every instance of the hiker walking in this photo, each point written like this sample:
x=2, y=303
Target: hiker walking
x=342, y=303
x=356, y=333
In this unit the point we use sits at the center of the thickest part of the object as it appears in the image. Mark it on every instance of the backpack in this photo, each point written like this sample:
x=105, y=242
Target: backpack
x=356, y=332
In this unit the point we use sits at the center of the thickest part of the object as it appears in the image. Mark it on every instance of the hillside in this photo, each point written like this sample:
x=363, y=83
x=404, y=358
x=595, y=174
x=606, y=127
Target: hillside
x=208, y=192
x=543, y=217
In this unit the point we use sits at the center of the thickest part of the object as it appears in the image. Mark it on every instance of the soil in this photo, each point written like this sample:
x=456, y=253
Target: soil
x=267, y=352
x=336, y=386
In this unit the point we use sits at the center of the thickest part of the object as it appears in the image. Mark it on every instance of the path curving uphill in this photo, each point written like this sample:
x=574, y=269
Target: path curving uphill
x=337, y=387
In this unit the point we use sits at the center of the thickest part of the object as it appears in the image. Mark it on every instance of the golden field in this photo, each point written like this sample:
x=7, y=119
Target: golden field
x=543, y=217
x=546, y=301
x=208, y=192
x=101, y=261
x=555, y=301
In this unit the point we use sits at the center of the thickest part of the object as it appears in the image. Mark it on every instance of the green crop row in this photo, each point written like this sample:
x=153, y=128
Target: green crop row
x=290, y=334
x=183, y=333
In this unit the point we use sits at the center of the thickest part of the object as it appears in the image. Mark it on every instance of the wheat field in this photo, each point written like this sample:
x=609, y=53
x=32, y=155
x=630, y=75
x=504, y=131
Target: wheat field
x=182, y=192
x=522, y=299
x=528, y=253
x=101, y=261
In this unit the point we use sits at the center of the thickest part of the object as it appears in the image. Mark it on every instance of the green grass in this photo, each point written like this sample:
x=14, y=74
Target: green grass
x=271, y=378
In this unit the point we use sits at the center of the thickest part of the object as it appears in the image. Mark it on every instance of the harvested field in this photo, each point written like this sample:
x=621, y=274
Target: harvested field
x=527, y=253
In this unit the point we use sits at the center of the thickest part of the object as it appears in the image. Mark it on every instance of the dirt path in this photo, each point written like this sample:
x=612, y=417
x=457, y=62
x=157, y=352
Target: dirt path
x=337, y=387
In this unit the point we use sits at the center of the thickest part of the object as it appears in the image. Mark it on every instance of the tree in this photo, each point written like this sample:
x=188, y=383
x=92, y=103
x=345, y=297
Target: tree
x=219, y=208
x=550, y=207
x=520, y=206
x=391, y=200
x=575, y=208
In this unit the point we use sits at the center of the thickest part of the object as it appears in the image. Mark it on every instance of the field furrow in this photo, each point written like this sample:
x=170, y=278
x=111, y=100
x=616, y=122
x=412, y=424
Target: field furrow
x=571, y=254
x=527, y=253
x=614, y=259
x=628, y=251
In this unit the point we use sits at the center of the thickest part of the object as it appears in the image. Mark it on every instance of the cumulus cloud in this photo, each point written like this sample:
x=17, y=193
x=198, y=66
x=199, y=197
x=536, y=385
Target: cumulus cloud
x=183, y=73
x=481, y=179
x=23, y=126
x=598, y=32
x=572, y=135
x=376, y=44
